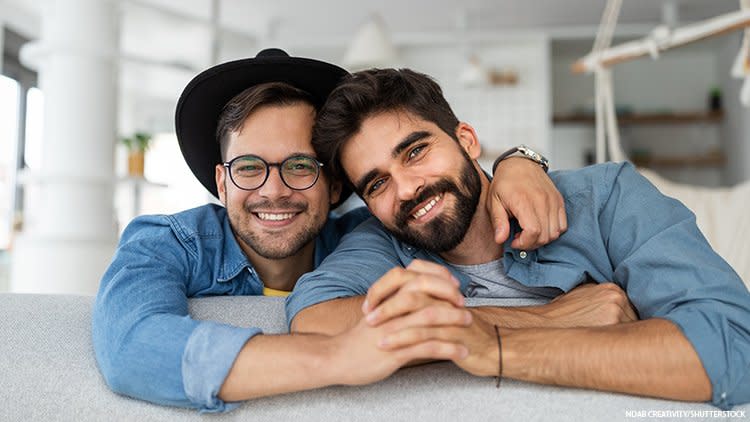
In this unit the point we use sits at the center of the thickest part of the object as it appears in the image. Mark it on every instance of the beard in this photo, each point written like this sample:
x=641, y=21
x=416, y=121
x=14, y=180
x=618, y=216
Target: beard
x=276, y=244
x=446, y=231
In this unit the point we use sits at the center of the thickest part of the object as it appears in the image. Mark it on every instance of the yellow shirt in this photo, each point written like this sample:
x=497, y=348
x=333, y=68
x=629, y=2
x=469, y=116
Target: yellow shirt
x=275, y=293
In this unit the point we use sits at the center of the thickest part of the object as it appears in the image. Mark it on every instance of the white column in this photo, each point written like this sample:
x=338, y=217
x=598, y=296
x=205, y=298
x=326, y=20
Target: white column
x=69, y=231
x=2, y=40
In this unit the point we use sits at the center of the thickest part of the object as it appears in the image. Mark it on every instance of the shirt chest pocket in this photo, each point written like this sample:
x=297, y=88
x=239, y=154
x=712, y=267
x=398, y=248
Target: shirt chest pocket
x=562, y=275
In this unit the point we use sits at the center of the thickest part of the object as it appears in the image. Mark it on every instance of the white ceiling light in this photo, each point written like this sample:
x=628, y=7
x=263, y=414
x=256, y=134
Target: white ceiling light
x=371, y=47
x=473, y=73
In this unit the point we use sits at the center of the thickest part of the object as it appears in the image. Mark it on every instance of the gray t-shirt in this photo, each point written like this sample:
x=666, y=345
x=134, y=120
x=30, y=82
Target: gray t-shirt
x=490, y=281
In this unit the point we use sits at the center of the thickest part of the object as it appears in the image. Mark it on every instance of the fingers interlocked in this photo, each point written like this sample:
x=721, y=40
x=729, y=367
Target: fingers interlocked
x=414, y=303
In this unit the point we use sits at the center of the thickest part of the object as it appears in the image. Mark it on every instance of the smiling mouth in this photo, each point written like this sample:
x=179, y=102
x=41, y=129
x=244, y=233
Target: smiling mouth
x=427, y=207
x=270, y=216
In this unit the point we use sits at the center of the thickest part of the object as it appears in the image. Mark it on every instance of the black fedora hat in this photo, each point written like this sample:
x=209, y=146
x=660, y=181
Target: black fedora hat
x=203, y=99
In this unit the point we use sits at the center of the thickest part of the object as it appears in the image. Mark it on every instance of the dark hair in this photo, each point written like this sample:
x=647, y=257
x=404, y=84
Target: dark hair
x=367, y=93
x=237, y=110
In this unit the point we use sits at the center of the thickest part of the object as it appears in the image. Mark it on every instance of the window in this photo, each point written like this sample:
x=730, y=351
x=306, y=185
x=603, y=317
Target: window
x=9, y=117
x=168, y=187
x=20, y=115
x=34, y=128
x=165, y=165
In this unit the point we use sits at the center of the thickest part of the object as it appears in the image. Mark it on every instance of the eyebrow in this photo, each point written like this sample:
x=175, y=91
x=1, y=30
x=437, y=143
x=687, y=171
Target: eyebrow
x=298, y=153
x=406, y=143
x=413, y=137
x=293, y=154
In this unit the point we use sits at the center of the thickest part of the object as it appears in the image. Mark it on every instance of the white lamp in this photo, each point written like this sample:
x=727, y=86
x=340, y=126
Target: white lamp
x=473, y=74
x=371, y=47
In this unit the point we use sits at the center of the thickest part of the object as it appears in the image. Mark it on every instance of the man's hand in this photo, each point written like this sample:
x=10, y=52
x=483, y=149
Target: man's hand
x=589, y=305
x=422, y=305
x=477, y=336
x=359, y=356
x=521, y=189
x=406, y=290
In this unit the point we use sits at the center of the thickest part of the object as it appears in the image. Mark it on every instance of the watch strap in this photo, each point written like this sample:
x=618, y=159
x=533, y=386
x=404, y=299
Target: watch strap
x=525, y=152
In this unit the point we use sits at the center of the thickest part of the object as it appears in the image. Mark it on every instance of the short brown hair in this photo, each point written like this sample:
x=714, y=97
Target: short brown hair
x=237, y=110
x=367, y=93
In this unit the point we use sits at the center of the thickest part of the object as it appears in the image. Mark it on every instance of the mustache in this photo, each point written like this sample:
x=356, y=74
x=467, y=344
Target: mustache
x=284, y=204
x=406, y=208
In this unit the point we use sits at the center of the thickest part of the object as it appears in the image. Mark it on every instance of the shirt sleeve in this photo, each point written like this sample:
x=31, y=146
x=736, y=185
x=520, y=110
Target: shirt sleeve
x=670, y=271
x=362, y=257
x=146, y=344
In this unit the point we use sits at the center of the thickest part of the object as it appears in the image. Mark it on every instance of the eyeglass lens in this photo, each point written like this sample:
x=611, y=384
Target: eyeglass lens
x=297, y=172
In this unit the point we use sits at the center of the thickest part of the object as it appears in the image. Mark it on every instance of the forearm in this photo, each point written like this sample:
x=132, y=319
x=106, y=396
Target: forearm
x=277, y=364
x=173, y=360
x=587, y=305
x=650, y=358
x=510, y=317
x=331, y=317
x=139, y=337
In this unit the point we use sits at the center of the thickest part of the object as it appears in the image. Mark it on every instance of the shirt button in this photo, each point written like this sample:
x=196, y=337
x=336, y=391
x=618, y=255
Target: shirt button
x=724, y=395
x=523, y=254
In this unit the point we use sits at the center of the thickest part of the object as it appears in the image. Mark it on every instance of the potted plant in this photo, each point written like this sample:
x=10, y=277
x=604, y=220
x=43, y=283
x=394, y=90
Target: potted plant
x=136, y=146
x=714, y=99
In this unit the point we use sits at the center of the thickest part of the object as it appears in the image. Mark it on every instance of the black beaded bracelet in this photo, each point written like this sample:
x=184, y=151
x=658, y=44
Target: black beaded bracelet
x=499, y=358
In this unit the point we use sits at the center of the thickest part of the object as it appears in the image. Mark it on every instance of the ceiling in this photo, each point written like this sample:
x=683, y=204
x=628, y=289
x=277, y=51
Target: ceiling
x=289, y=19
x=331, y=23
x=180, y=29
x=337, y=18
x=165, y=42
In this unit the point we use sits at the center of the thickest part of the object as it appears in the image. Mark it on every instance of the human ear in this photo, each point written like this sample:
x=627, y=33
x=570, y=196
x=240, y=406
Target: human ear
x=334, y=191
x=221, y=186
x=467, y=138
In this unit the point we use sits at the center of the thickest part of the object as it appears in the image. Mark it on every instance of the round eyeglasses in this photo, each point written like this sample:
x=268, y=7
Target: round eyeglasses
x=250, y=172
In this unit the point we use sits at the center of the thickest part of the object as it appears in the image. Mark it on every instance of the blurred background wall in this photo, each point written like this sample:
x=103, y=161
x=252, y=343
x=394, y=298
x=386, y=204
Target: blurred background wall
x=79, y=76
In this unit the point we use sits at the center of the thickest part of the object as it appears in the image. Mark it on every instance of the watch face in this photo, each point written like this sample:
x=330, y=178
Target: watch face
x=539, y=158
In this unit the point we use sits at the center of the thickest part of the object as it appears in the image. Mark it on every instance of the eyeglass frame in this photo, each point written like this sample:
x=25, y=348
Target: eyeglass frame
x=228, y=165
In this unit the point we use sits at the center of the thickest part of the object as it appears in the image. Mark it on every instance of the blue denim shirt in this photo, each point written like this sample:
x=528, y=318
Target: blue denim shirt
x=620, y=229
x=146, y=344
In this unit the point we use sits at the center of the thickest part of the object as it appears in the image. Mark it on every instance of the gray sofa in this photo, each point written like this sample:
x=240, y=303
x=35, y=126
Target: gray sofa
x=48, y=372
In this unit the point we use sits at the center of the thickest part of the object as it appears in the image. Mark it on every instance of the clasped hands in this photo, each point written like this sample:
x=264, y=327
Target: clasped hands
x=419, y=313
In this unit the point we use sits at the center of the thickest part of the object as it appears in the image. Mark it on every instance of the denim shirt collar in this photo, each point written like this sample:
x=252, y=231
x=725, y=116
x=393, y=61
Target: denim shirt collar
x=235, y=261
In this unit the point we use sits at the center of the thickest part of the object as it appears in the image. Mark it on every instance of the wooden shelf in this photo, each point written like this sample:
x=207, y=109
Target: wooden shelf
x=712, y=159
x=646, y=118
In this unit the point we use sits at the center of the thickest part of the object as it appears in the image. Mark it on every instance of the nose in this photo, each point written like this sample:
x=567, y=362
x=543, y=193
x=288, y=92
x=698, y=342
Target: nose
x=407, y=185
x=274, y=186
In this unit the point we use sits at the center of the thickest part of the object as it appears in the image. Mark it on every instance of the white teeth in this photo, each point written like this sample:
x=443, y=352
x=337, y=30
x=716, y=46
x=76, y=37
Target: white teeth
x=422, y=211
x=275, y=217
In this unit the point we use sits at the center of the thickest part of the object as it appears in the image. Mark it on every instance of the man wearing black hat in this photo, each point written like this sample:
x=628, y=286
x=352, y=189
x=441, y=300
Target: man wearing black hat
x=274, y=227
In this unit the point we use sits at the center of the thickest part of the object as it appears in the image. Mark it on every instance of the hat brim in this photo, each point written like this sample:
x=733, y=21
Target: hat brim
x=203, y=99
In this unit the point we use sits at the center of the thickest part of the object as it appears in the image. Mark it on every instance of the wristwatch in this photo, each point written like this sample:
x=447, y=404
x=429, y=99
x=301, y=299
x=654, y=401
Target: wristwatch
x=523, y=151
